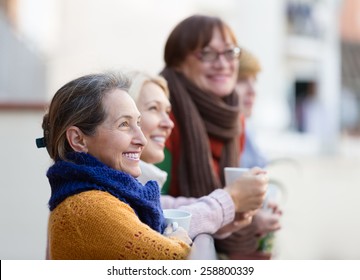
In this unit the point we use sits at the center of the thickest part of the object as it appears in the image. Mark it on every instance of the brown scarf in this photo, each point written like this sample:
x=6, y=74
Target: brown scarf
x=199, y=115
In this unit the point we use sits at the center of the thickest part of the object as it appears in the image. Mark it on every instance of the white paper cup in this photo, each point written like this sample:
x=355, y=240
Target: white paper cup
x=177, y=217
x=233, y=173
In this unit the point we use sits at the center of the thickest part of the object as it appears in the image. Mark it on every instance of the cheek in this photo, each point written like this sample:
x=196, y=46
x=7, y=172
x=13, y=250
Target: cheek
x=152, y=155
x=149, y=125
x=146, y=154
x=233, y=80
x=95, y=148
x=200, y=79
x=240, y=90
x=194, y=71
x=117, y=144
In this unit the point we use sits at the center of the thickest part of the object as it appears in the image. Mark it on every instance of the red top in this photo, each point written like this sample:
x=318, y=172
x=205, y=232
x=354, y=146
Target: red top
x=170, y=165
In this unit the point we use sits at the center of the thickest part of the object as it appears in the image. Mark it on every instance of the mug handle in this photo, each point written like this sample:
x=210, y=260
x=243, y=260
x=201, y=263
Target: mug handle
x=174, y=226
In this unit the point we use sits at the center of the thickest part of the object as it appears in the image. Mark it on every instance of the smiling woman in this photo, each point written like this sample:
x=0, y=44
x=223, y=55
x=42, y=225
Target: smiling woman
x=98, y=209
x=202, y=61
x=152, y=98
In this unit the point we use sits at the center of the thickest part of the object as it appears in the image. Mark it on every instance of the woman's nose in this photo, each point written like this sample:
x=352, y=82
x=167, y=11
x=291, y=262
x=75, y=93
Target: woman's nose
x=139, y=137
x=166, y=121
x=221, y=60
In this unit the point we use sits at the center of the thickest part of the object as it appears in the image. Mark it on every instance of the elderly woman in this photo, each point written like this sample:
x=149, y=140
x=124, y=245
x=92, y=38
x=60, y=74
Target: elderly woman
x=202, y=60
x=98, y=209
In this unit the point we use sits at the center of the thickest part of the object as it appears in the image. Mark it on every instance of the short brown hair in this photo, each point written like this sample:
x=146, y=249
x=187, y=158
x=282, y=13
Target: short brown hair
x=190, y=34
x=78, y=103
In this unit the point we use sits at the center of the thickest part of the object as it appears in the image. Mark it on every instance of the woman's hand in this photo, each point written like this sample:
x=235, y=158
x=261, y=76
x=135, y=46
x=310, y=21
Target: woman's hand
x=248, y=191
x=268, y=220
x=241, y=221
x=173, y=230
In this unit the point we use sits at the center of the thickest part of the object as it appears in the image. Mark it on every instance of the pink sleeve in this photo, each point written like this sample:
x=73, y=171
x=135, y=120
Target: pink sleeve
x=209, y=213
x=170, y=202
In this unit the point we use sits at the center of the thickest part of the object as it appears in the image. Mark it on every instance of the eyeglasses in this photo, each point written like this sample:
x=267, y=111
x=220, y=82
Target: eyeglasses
x=212, y=56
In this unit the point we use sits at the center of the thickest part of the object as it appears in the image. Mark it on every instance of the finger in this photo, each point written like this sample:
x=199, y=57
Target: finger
x=168, y=230
x=175, y=226
x=249, y=213
x=257, y=170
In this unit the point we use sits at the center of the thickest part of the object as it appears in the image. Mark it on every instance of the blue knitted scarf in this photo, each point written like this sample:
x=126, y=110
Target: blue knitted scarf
x=84, y=172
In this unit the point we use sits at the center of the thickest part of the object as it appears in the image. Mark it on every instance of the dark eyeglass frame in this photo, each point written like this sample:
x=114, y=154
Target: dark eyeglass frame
x=211, y=55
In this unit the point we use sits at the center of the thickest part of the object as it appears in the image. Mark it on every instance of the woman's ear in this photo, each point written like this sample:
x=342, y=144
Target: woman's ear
x=76, y=139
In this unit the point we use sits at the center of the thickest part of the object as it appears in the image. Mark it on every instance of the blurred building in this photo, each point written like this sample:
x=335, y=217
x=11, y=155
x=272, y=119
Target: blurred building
x=350, y=66
x=23, y=94
x=297, y=41
x=22, y=66
x=312, y=63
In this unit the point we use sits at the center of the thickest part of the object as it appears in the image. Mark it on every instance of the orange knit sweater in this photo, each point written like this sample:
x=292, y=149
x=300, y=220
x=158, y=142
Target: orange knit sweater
x=97, y=225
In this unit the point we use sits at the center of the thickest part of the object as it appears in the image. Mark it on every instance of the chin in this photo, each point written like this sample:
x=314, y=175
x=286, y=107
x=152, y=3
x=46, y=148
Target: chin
x=158, y=158
x=222, y=93
x=154, y=158
x=135, y=173
x=222, y=90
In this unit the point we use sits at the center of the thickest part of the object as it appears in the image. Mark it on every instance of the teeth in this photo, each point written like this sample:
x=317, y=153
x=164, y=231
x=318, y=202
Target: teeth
x=132, y=155
x=158, y=139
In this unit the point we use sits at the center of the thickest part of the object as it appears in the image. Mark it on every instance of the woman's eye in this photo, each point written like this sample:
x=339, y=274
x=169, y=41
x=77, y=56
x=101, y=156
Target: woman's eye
x=153, y=108
x=124, y=124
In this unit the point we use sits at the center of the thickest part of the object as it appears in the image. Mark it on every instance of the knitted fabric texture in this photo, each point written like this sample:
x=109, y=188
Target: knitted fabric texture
x=96, y=225
x=84, y=172
x=201, y=115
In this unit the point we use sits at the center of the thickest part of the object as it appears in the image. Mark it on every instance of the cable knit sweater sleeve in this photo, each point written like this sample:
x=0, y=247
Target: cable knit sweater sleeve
x=96, y=225
x=209, y=213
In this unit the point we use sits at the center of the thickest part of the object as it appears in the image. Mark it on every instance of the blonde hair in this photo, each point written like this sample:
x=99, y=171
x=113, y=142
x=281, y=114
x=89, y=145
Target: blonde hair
x=139, y=79
x=249, y=65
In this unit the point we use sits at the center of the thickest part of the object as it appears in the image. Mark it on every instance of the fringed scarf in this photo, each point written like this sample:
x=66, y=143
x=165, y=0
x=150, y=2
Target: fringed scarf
x=200, y=115
x=84, y=172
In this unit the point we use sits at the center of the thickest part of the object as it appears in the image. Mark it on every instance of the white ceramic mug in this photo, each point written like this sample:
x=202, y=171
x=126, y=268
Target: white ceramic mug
x=233, y=173
x=177, y=217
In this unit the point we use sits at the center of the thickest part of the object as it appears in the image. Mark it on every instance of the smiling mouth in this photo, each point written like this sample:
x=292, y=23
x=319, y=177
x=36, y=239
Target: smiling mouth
x=159, y=139
x=219, y=78
x=132, y=156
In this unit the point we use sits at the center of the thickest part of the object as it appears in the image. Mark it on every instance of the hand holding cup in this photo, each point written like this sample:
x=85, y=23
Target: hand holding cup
x=248, y=189
x=178, y=224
